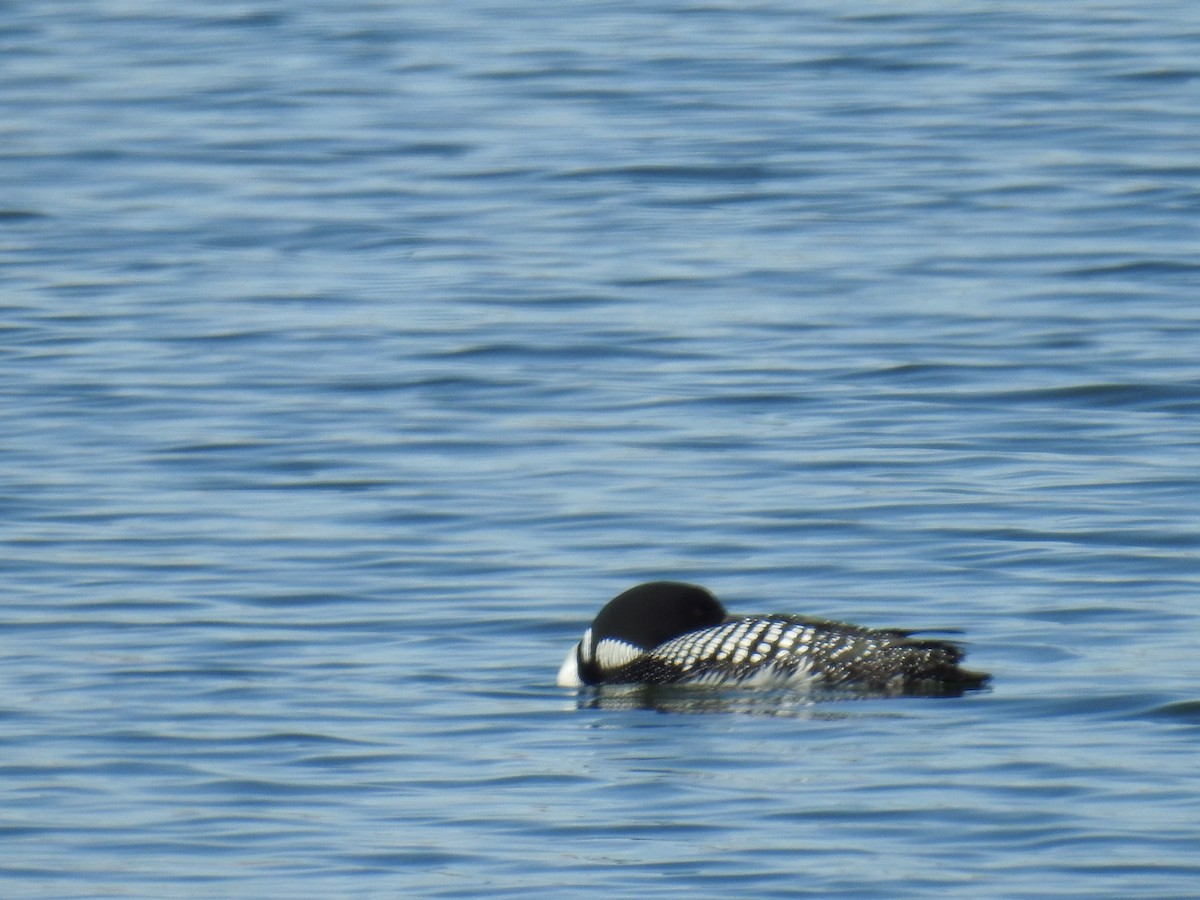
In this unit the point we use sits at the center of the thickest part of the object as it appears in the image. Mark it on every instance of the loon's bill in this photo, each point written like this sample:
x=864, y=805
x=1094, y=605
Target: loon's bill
x=667, y=632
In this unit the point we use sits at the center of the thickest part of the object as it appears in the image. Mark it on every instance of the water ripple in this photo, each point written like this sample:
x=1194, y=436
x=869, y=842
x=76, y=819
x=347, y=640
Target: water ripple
x=353, y=355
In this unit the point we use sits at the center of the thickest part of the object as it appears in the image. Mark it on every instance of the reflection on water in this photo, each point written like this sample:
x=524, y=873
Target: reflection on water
x=805, y=701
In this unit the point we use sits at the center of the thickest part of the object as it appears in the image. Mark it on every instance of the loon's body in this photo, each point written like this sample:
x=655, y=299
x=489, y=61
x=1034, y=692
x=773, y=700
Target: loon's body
x=666, y=632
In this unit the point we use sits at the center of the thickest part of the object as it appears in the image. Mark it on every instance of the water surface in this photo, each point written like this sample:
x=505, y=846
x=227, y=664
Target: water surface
x=354, y=355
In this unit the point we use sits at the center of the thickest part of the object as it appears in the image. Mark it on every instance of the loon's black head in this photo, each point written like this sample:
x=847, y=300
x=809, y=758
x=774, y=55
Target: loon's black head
x=634, y=622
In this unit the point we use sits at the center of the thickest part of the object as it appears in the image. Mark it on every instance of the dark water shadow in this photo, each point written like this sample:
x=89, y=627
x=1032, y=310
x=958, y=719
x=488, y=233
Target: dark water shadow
x=810, y=702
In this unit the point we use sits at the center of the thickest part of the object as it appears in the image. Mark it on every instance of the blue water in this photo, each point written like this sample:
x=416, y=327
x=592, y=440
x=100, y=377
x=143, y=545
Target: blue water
x=352, y=355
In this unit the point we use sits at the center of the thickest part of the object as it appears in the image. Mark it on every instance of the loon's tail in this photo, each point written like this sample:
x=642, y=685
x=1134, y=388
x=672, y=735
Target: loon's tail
x=925, y=663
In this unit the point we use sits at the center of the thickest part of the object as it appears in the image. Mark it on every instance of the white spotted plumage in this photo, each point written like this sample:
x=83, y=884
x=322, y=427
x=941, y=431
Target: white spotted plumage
x=612, y=653
x=753, y=648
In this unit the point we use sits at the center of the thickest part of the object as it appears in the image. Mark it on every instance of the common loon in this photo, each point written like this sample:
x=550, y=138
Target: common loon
x=667, y=632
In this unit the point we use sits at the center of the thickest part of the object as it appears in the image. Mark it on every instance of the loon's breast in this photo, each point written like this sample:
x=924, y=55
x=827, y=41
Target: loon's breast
x=672, y=633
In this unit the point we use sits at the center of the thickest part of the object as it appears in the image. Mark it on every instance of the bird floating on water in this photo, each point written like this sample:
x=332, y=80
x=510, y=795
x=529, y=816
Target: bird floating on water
x=668, y=632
